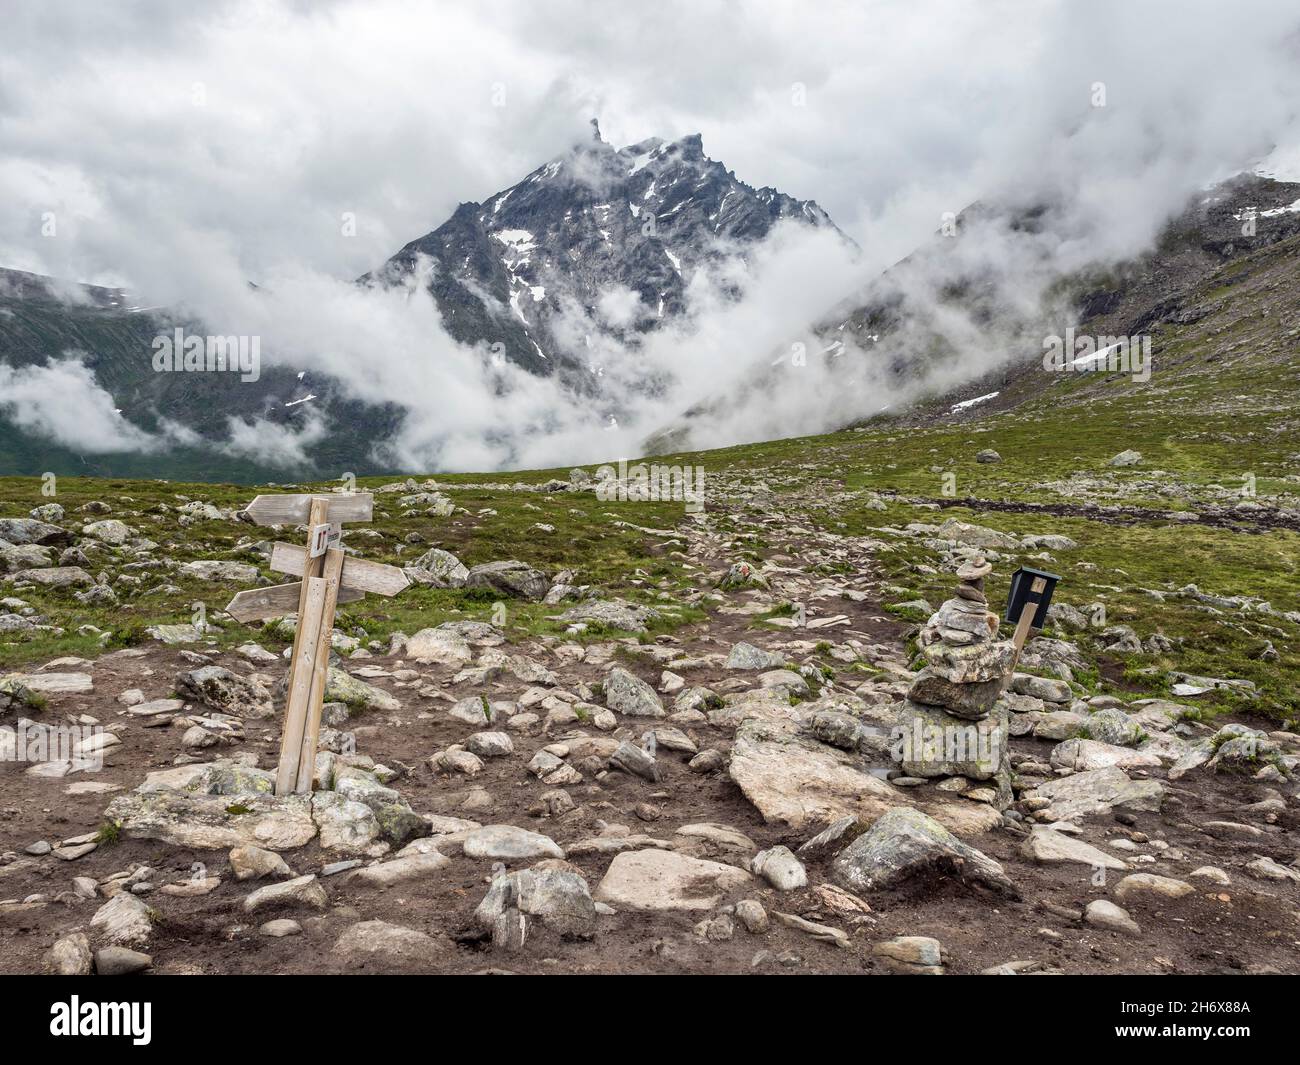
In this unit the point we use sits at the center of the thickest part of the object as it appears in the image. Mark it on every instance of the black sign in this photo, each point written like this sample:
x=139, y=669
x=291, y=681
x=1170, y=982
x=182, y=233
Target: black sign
x=1021, y=582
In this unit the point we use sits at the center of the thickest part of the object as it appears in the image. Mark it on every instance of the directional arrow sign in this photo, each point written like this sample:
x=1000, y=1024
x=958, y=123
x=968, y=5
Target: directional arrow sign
x=295, y=509
x=357, y=572
x=257, y=604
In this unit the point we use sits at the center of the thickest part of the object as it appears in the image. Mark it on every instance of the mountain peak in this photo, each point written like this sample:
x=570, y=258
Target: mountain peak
x=636, y=222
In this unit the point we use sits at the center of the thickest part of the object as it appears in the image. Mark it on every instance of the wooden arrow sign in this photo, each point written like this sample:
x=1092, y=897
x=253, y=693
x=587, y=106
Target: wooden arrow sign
x=295, y=509
x=257, y=604
x=358, y=574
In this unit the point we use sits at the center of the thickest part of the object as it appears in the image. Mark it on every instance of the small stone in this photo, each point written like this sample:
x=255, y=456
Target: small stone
x=1101, y=913
x=121, y=961
x=280, y=928
x=780, y=868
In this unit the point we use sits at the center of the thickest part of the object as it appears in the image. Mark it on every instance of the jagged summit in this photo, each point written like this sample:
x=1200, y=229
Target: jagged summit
x=595, y=220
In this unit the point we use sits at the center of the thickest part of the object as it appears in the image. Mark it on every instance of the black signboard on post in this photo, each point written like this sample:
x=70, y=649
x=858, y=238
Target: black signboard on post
x=1024, y=590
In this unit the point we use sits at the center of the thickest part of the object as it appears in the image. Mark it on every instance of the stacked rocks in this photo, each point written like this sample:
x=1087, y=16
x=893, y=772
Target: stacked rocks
x=942, y=726
x=966, y=664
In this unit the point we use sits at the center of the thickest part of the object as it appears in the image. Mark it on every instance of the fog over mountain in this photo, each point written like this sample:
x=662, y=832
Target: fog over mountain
x=245, y=164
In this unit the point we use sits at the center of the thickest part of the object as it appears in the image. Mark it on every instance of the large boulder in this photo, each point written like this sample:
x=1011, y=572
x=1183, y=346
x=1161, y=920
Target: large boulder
x=904, y=844
x=518, y=580
x=32, y=531
x=801, y=784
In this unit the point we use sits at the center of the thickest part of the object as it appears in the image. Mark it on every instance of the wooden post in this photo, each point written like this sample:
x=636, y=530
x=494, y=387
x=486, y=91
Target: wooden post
x=303, y=660
x=1026, y=620
x=333, y=574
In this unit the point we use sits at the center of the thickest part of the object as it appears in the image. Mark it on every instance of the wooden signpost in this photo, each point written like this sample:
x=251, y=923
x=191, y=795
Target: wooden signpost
x=328, y=578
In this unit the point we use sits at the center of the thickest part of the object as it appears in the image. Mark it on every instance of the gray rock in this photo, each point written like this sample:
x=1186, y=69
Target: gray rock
x=70, y=956
x=747, y=656
x=32, y=531
x=1101, y=913
x=510, y=844
x=630, y=695
x=220, y=689
x=490, y=744
x=780, y=868
x=219, y=570
x=616, y=613
x=124, y=920
x=438, y=569
x=904, y=844
x=300, y=891
x=517, y=580
x=559, y=898
x=371, y=944
x=660, y=880
x=1126, y=458
x=1049, y=847
x=121, y=961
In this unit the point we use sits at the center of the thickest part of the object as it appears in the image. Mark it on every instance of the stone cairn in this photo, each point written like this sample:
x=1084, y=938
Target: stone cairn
x=966, y=667
x=966, y=664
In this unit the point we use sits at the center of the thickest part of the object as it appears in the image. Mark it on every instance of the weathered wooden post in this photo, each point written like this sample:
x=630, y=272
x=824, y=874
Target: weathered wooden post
x=328, y=578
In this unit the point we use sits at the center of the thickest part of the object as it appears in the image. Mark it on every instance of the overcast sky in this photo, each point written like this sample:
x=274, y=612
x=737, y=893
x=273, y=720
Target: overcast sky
x=247, y=129
x=183, y=148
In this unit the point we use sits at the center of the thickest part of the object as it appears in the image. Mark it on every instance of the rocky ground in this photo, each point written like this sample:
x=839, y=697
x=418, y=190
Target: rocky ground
x=688, y=766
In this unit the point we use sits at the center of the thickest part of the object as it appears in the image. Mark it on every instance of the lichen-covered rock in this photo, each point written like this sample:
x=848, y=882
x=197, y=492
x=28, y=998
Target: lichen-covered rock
x=396, y=820
x=616, y=613
x=630, y=695
x=558, y=897
x=356, y=694
x=518, y=580
x=214, y=822
x=220, y=689
x=1114, y=727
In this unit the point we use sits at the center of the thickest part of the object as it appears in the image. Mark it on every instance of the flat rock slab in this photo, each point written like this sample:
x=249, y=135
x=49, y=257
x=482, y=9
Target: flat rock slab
x=657, y=880
x=1099, y=791
x=1049, y=847
x=55, y=683
x=376, y=945
x=803, y=784
x=510, y=844
x=215, y=822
